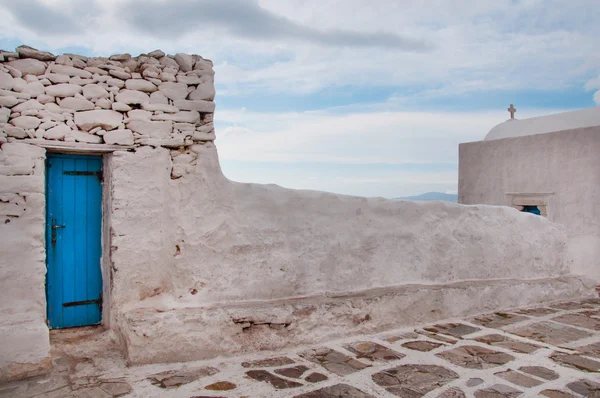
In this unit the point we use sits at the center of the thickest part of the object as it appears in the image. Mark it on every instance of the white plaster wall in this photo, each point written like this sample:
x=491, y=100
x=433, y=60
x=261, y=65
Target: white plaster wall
x=24, y=337
x=566, y=163
x=255, y=242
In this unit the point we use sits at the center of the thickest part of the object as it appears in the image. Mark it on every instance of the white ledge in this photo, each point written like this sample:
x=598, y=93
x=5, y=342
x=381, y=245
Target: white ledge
x=77, y=146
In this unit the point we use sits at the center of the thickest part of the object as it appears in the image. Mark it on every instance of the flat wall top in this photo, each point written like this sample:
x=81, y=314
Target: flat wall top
x=546, y=124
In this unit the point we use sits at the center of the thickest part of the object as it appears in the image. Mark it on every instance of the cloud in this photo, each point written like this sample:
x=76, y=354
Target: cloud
x=247, y=20
x=38, y=17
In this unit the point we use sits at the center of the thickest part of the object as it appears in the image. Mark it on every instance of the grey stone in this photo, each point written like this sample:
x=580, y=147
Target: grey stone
x=28, y=66
x=413, y=380
x=551, y=333
x=26, y=122
x=116, y=389
x=77, y=104
x=576, y=362
x=160, y=107
x=121, y=107
x=586, y=388
x=474, y=382
x=132, y=97
x=13, y=131
x=316, y=377
x=94, y=91
x=336, y=391
x=275, y=381
x=556, y=394
x=6, y=81
x=63, y=90
x=85, y=137
x=107, y=119
x=174, y=378
x=169, y=62
x=71, y=71
x=118, y=137
x=580, y=320
x=454, y=329
x=506, y=342
x=116, y=83
x=540, y=371
x=27, y=105
x=156, y=54
x=452, y=393
x=184, y=61
x=140, y=85
x=373, y=351
x=30, y=52
x=293, y=372
x=120, y=74
x=518, y=378
x=35, y=89
x=57, y=78
x=8, y=102
x=498, y=391
x=421, y=345
x=57, y=132
x=174, y=91
x=475, y=357
x=269, y=362
x=182, y=117
x=195, y=105
x=204, y=91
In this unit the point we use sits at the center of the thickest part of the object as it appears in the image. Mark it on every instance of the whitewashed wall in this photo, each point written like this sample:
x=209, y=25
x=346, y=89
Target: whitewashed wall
x=565, y=164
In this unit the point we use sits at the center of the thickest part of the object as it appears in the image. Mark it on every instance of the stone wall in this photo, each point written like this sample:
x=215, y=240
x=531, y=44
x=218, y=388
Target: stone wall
x=153, y=99
x=24, y=347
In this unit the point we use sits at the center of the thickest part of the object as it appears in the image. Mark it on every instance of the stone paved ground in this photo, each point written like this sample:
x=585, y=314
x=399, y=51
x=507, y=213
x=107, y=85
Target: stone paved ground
x=551, y=351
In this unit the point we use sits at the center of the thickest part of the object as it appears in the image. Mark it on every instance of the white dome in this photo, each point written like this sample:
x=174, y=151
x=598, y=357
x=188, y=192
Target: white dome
x=546, y=124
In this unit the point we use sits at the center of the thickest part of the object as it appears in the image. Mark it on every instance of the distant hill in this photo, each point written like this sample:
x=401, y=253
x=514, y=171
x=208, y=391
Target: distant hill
x=433, y=196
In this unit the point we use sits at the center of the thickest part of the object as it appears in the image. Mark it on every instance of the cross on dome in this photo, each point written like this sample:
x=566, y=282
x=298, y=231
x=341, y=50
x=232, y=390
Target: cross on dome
x=512, y=111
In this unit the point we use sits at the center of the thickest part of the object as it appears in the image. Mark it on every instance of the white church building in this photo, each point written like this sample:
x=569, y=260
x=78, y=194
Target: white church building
x=547, y=165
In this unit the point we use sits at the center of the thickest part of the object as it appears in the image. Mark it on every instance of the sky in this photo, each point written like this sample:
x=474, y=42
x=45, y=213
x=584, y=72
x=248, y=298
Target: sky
x=358, y=97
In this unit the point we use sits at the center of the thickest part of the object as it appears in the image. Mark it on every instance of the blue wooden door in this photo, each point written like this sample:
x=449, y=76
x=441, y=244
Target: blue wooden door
x=73, y=240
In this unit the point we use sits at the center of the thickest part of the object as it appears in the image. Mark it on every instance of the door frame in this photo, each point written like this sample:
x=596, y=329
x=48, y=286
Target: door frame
x=104, y=155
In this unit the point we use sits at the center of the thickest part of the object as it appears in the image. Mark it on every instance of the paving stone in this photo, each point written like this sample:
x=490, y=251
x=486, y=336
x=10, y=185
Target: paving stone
x=571, y=305
x=584, y=387
x=294, y=372
x=576, y=362
x=401, y=336
x=334, y=361
x=275, y=381
x=452, y=393
x=269, y=362
x=551, y=333
x=373, y=351
x=474, y=357
x=421, y=345
x=474, y=382
x=221, y=386
x=413, y=380
x=453, y=329
x=539, y=311
x=580, y=320
x=498, y=319
x=336, y=391
x=497, y=390
x=116, y=389
x=592, y=350
x=506, y=342
x=437, y=337
x=176, y=378
x=316, y=377
x=518, y=378
x=540, y=371
x=556, y=394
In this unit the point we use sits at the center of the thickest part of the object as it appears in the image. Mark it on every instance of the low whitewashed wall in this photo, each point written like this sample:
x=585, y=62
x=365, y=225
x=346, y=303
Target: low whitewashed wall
x=229, y=267
x=24, y=343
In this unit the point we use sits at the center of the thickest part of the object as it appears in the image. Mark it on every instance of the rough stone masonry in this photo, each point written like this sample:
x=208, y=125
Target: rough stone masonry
x=153, y=99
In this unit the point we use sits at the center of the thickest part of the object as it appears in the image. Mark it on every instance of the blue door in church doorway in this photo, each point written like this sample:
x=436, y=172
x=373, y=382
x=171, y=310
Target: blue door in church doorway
x=73, y=240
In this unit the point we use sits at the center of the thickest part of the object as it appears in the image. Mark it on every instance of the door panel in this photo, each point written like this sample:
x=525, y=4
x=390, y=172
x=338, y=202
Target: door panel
x=73, y=240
